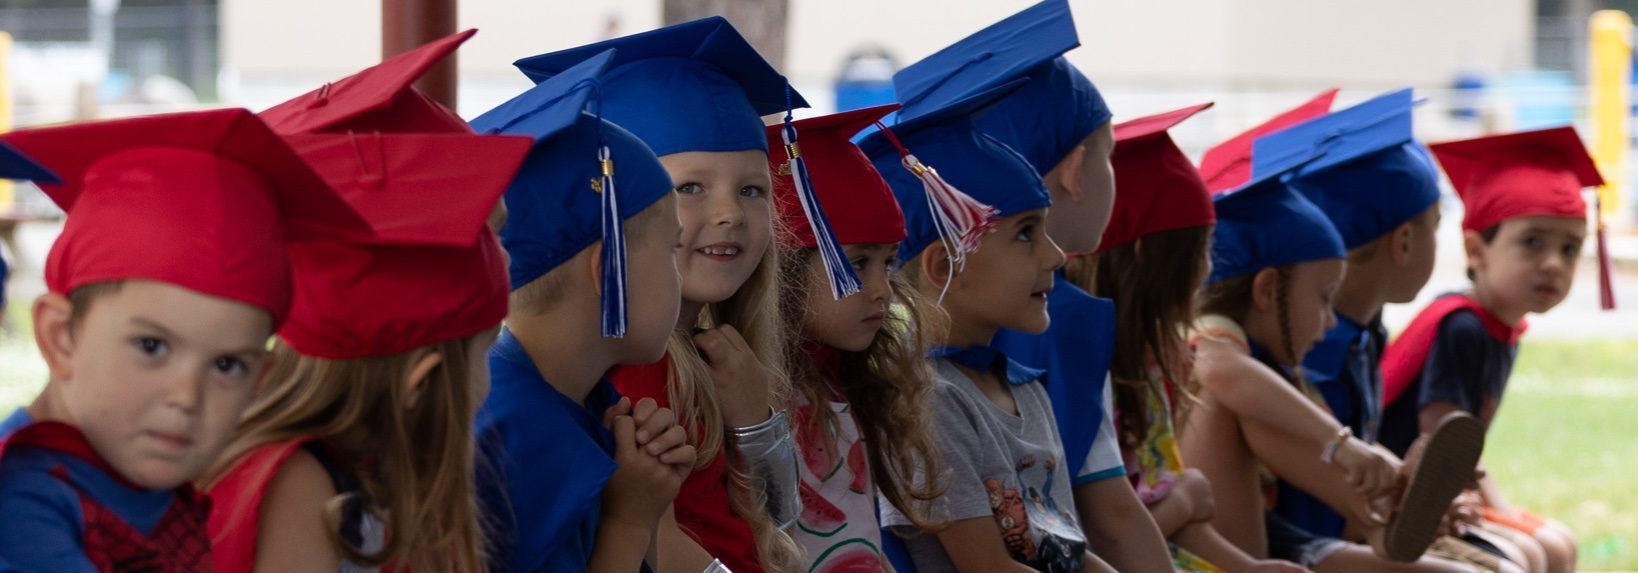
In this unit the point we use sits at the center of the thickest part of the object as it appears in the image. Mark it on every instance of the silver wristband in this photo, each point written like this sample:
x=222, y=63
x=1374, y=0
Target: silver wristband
x=767, y=451
x=716, y=567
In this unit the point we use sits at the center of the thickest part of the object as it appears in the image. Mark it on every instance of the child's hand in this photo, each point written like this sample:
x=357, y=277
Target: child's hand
x=741, y=379
x=1275, y=566
x=1372, y=470
x=642, y=486
x=660, y=436
x=1193, y=485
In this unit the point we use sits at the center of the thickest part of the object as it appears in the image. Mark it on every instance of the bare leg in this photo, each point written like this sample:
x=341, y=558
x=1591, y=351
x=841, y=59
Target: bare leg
x=1559, y=545
x=1356, y=558
x=1212, y=442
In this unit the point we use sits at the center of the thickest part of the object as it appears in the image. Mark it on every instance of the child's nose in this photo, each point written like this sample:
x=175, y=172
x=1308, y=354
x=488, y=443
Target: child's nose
x=726, y=211
x=1055, y=258
x=186, y=393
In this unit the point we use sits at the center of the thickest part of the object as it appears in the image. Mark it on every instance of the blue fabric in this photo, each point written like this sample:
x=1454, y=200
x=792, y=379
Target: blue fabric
x=1360, y=166
x=695, y=86
x=544, y=460
x=1075, y=351
x=16, y=420
x=1335, y=367
x=988, y=359
x=1265, y=224
x=45, y=527
x=553, y=212
x=980, y=166
x=1054, y=111
x=15, y=165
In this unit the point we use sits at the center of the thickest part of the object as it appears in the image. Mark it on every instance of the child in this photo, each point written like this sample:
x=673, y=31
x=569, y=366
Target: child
x=1269, y=298
x=1059, y=122
x=856, y=364
x=357, y=450
x=1228, y=164
x=1523, y=230
x=155, y=330
x=575, y=478
x=1151, y=260
x=986, y=267
x=695, y=93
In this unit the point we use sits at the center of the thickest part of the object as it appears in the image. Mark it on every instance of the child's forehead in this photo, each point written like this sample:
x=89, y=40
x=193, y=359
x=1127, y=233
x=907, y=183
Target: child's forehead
x=1570, y=227
x=182, y=312
x=746, y=165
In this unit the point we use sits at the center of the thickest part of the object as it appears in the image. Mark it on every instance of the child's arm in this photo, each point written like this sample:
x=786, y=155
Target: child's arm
x=975, y=546
x=675, y=551
x=1189, y=502
x=291, y=534
x=1118, y=527
x=1203, y=540
x=640, y=490
x=678, y=553
x=43, y=519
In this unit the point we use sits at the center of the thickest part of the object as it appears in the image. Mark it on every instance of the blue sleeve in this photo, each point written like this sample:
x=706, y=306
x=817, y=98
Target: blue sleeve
x=1454, y=370
x=43, y=524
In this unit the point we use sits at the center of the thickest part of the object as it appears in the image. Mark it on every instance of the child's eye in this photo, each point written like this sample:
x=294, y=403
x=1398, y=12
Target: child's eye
x=752, y=191
x=689, y=189
x=1534, y=242
x=858, y=264
x=892, y=262
x=230, y=366
x=1026, y=233
x=151, y=346
x=1572, y=249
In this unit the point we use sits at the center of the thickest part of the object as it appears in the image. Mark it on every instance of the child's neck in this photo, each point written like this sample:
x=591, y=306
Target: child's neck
x=566, y=357
x=688, y=315
x=1510, y=314
x=965, y=334
x=1361, y=297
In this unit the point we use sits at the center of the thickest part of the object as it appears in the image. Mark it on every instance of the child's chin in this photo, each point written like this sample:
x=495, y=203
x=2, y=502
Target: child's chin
x=1033, y=324
x=159, y=477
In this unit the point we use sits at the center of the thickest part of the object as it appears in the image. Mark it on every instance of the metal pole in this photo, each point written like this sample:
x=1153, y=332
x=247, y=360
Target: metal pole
x=406, y=25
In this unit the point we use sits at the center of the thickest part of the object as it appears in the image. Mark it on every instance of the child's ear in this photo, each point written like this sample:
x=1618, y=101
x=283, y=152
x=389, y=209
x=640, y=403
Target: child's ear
x=53, y=333
x=1066, y=176
x=1403, y=241
x=1474, y=244
x=935, y=267
x=417, y=376
x=1265, y=290
x=592, y=263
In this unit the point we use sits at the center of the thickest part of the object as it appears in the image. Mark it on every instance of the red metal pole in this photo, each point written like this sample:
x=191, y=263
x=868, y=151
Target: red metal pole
x=407, y=24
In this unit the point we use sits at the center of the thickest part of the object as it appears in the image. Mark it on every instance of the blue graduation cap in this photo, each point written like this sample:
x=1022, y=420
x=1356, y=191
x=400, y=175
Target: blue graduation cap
x=1266, y=223
x=15, y=165
x=1055, y=110
x=564, y=198
x=927, y=158
x=1361, y=166
x=695, y=86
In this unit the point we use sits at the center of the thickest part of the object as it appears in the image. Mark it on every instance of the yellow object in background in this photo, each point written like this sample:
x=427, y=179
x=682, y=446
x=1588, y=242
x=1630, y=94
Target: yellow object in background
x=8, y=190
x=1609, y=67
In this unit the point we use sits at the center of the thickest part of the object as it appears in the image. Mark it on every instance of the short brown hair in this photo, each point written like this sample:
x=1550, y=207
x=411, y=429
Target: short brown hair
x=540, y=295
x=80, y=299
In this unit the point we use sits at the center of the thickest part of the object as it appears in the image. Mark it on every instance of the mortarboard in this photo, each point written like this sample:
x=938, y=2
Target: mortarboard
x=1361, y=166
x=1265, y=224
x=1159, y=189
x=379, y=98
x=1044, y=119
x=202, y=200
x=695, y=86
x=1228, y=164
x=564, y=198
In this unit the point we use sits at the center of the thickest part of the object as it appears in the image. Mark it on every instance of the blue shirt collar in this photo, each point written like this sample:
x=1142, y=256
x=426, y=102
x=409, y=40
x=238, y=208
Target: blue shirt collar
x=988, y=359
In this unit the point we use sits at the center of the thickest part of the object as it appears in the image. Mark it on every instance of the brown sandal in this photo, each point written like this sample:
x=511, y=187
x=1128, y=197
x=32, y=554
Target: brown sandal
x=1440, y=465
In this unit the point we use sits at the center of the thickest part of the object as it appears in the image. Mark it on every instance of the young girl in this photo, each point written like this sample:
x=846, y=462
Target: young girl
x=358, y=451
x=1268, y=296
x=984, y=268
x=694, y=92
x=1152, y=260
x=856, y=364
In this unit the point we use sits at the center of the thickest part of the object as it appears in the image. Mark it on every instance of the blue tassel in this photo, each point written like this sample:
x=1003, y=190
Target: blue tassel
x=614, y=251
x=843, y=283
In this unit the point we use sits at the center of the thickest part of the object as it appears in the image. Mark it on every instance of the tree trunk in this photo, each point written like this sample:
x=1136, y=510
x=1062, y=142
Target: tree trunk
x=762, y=22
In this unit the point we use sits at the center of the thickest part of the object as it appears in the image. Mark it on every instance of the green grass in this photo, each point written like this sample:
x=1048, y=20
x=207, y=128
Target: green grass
x=1564, y=445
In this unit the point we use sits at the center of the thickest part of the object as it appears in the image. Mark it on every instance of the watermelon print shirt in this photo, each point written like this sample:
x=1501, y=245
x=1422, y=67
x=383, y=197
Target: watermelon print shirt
x=838, y=528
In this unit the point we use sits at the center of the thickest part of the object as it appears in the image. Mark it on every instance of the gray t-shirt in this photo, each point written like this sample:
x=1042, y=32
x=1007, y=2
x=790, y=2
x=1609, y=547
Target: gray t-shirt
x=1001, y=466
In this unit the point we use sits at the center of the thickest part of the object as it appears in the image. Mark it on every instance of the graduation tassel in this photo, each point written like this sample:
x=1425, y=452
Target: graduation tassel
x=960, y=220
x=614, y=250
x=1606, y=289
x=843, y=282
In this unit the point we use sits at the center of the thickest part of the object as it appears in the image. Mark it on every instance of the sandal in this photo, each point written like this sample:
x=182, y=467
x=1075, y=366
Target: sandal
x=1440, y=465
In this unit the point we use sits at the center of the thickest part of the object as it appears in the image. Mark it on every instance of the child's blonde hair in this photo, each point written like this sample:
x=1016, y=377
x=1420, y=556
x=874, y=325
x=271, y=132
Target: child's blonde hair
x=887, y=386
x=754, y=311
x=416, y=474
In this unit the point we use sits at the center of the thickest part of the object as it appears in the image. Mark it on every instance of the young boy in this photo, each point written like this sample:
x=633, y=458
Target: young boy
x=1362, y=167
x=1059, y=122
x=1228, y=164
x=577, y=476
x=165, y=284
x=1009, y=502
x=1523, y=230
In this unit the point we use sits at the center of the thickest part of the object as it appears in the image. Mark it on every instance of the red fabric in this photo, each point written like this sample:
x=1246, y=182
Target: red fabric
x=237, y=498
x=1501, y=177
x=858, y=202
x=1402, y=361
x=427, y=274
x=379, y=98
x=1156, y=188
x=202, y=200
x=178, y=543
x=1228, y=164
x=702, y=506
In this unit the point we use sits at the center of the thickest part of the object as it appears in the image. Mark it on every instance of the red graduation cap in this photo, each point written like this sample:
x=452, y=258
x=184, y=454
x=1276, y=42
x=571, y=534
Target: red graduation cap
x=1157, y=187
x=1228, y=164
x=202, y=200
x=859, y=204
x=433, y=270
x=1523, y=174
x=379, y=98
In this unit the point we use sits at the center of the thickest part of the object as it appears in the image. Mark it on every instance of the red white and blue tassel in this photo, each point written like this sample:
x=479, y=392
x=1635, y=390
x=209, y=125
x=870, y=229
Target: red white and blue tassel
x=843, y=281
x=960, y=220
